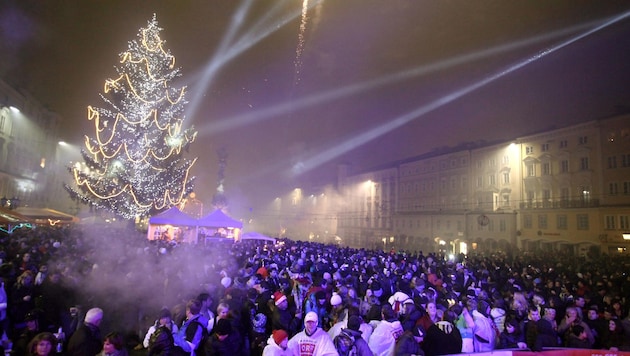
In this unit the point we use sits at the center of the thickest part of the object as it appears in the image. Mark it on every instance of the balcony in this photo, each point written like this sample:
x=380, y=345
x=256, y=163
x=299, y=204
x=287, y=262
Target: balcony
x=560, y=204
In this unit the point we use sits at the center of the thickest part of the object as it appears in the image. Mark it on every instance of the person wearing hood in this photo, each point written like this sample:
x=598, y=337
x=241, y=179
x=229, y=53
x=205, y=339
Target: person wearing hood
x=443, y=337
x=277, y=344
x=411, y=316
x=386, y=332
x=353, y=330
x=313, y=340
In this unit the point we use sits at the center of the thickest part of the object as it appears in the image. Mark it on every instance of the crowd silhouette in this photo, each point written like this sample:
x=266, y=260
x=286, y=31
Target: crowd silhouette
x=87, y=290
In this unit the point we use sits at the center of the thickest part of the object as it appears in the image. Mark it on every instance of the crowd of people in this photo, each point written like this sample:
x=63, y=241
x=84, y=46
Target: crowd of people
x=63, y=288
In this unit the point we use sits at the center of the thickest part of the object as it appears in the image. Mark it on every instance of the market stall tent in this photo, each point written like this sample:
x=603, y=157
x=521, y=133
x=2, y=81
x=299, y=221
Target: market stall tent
x=217, y=224
x=173, y=225
x=252, y=235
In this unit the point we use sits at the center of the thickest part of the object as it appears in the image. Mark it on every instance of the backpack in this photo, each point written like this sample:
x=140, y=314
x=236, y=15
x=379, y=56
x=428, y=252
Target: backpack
x=204, y=337
x=161, y=341
x=344, y=344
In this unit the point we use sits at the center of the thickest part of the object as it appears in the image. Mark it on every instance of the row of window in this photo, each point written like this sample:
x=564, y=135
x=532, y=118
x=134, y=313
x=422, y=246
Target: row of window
x=492, y=162
x=546, y=167
x=582, y=140
x=432, y=166
x=625, y=161
x=613, y=188
x=429, y=185
x=565, y=194
x=562, y=223
x=621, y=222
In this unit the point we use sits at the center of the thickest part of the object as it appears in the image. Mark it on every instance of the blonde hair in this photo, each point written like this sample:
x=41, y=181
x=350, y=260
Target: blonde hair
x=519, y=302
x=23, y=276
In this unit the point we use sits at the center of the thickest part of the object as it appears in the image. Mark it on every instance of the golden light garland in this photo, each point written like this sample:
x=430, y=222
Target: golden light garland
x=119, y=159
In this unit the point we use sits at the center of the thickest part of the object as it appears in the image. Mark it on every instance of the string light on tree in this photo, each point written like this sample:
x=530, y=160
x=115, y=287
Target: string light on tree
x=134, y=164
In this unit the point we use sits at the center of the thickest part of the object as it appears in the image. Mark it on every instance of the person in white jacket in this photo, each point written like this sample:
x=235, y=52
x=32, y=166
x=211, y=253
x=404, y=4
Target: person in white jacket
x=312, y=341
x=277, y=344
x=365, y=328
x=383, y=340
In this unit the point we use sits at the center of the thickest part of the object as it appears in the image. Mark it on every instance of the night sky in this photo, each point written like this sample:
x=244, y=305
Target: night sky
x=362, y=67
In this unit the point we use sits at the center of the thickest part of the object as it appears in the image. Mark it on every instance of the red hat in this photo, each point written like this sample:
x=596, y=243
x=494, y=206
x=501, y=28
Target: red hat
x=278, y=298
x=303, y=281
x=263, y=272
x=279, y=335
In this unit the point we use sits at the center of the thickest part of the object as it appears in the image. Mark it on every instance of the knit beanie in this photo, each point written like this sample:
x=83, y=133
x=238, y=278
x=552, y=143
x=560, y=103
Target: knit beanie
x=279, y=335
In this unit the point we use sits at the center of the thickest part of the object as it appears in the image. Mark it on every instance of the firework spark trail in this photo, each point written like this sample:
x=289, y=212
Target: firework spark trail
x=300, y=45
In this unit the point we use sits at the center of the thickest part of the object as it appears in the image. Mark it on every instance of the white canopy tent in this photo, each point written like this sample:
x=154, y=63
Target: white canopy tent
x=175, y=225
x=172, y=225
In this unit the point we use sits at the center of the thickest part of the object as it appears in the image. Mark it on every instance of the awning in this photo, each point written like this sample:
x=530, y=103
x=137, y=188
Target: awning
x=46, y=216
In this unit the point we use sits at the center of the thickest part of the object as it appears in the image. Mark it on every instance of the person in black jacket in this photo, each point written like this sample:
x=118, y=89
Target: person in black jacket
x=408, y=343
x=443, y=337
x=87, y=340
x=20, y=346
x=161, y=342
x=224, y=341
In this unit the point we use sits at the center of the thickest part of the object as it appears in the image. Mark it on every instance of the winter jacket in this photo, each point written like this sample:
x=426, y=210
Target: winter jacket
x=272, y=349
x=383, y=339
x=361, y=346
x=406, y=345
x=86, y=341
x=161, y=342
x=231, y=346
x=442, y=338
x=318, y=344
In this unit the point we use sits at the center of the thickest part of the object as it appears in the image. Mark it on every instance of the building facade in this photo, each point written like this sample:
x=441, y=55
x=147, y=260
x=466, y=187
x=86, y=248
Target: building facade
x=29, y=167
x=561, y=190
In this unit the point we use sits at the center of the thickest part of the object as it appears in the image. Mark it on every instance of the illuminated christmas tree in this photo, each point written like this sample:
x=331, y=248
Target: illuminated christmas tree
x=134, y=165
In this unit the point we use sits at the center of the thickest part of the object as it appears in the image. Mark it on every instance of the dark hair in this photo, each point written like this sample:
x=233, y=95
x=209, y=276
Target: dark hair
x=450, y=316
x=115, y=339
x=202, y=297
x=45, y=336
x=513, y=322
x=194, y=306
x=387, y=311
x=577, y=329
